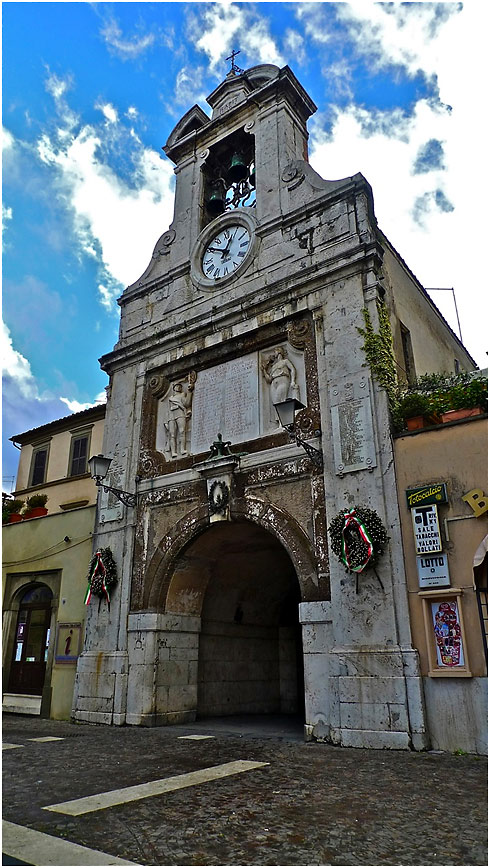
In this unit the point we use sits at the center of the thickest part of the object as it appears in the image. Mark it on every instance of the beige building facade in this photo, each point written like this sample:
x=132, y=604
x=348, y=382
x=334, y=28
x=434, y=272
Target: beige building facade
x=229, y=598
x=45, y=565
x=449, y=587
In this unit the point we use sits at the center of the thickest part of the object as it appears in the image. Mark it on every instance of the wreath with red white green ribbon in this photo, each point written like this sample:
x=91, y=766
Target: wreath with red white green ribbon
x=102, y=575
x=358, y=538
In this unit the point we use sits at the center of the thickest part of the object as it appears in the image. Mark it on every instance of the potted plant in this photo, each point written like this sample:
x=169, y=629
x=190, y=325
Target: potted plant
x=415, y=410
x=467, y=398
x=36, y=506
x=11, y=511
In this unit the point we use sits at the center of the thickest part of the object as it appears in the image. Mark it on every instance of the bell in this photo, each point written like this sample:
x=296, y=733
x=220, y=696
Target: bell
x=238, y=169
x=251, y=177
x=216, y=203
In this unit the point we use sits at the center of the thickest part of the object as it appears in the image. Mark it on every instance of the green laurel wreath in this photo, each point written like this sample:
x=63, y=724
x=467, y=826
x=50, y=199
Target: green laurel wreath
x=358, y=538
x=100, y=582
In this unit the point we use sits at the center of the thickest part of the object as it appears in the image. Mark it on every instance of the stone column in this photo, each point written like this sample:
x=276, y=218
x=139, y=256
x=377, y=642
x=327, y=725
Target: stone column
x=163, y=659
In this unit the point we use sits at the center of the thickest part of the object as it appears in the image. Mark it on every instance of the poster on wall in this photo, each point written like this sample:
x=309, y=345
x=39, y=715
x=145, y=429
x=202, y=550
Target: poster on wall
x=426, y=530
x=447, y=632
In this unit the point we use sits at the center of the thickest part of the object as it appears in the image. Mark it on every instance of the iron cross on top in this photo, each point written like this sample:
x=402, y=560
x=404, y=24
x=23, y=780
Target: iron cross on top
x=234, y=68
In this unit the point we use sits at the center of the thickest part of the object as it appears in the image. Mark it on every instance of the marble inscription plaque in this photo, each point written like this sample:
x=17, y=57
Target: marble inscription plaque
x=352, y=428
x=226, y=400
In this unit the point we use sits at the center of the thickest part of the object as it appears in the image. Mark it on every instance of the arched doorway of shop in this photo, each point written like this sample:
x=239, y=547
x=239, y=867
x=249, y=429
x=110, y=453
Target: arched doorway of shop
x=31, y=642
x=241, y=581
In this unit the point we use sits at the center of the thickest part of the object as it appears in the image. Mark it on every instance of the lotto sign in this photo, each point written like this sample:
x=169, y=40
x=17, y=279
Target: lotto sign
x=433, y=571
x=426, y=530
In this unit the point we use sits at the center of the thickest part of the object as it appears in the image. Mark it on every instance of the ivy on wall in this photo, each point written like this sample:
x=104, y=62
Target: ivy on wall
x=379, y=350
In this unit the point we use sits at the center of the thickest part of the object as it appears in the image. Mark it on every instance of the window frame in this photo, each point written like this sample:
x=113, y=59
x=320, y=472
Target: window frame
x=36, y=449
x=80, y=434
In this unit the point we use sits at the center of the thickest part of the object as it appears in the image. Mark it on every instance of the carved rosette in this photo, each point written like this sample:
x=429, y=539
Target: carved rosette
x=292, y=177
x=299, y=333
x=158, y=385
x=150, y=464
x=307, y=423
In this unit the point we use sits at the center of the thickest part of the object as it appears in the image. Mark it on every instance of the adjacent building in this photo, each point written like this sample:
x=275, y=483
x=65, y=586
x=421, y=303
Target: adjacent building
x=45, y=565
x=442, y=473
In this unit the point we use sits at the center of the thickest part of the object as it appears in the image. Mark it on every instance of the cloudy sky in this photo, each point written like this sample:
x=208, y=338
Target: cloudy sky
x=90, y=94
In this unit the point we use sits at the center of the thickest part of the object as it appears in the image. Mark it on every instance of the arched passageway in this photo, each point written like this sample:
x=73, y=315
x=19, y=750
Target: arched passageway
x=241, y=581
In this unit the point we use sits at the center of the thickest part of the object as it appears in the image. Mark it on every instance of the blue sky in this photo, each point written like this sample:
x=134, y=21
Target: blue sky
x=91, y=92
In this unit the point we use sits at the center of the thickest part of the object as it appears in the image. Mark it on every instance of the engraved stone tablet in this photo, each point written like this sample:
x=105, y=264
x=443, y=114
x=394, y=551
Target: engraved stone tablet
x=226, y=400
x=352, y=426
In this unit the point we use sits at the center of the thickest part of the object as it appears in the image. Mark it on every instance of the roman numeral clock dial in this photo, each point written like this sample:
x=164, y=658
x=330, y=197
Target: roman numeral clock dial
x=225, y=252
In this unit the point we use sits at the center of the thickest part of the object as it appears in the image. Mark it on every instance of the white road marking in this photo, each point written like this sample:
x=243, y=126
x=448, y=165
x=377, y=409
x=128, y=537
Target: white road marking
x=47, y=738
x=195, y=737
x=7, y=746
x=37, y=848
x=75, y=807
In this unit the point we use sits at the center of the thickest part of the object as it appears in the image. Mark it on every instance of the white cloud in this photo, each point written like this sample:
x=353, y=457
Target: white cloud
x=385, y=146
x=295, y=44
x=398, y=33
x=115, y=220
x=77, y=407
x=6, y=217
x=108, y=111
x=129, y=48
x=57, y=86
x=188, y=89
x=16, y=367
x=221, y=24
x=7, y=140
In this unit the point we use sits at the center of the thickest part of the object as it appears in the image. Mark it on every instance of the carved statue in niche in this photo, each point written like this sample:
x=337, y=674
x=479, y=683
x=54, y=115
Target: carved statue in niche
x=179, y=414
x=281, y=376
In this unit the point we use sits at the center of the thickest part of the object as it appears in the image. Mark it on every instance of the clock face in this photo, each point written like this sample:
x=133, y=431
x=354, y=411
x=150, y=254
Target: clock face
x=225, y=252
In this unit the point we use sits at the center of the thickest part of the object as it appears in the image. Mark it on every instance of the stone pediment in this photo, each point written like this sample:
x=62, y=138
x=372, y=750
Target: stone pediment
x=236, y=88
x=193, y=120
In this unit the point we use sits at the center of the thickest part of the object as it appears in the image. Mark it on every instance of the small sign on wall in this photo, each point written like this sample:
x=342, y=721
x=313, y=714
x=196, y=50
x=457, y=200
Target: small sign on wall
x=435, y=493
x=433, y=571
x=68, y=638
x=426, y=529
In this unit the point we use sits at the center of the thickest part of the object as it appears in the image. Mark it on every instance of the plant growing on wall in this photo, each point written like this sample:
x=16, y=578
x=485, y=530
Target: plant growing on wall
x=378, y=347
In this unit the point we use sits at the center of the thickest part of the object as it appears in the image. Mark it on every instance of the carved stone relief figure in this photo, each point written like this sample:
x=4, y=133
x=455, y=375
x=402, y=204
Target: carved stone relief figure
x=179, y=413
x=280, y=373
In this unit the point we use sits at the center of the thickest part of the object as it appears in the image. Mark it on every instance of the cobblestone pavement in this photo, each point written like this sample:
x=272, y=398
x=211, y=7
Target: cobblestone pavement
x=314, y=804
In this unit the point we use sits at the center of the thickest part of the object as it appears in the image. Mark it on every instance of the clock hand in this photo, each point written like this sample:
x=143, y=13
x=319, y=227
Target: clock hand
x=230, y=239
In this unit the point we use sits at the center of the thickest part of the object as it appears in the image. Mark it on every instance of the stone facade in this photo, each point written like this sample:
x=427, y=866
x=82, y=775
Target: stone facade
x=229, y=599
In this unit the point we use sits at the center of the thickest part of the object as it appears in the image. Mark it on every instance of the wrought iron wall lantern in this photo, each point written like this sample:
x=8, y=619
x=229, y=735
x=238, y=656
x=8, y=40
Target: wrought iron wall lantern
x=286, y=411
x=98, y=467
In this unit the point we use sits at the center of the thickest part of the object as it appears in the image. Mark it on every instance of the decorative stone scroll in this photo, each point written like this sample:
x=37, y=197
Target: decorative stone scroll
x=352, y=425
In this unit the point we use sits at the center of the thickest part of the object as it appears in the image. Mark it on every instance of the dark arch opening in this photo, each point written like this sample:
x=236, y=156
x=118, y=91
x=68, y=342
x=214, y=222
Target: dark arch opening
x=241, y=581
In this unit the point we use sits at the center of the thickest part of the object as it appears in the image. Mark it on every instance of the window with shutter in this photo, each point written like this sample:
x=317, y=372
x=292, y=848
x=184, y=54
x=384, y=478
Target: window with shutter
x=79, y=456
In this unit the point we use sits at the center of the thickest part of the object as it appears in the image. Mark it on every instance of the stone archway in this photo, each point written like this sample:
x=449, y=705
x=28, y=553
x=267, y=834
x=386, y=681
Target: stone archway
x=219, y=633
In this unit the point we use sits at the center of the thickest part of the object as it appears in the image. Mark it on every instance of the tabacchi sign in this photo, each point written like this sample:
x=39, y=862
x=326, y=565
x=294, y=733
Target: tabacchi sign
x=426, y=529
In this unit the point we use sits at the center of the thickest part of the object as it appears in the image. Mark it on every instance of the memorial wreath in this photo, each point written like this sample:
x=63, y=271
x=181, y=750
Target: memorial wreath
x=102, y=575
x=358, y=538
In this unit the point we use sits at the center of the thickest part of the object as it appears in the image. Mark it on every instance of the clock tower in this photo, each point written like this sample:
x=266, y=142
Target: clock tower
x=229, y=597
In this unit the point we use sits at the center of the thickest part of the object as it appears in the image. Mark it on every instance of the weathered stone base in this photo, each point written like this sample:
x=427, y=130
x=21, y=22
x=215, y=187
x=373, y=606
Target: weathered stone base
x=168, y=719
x=367, y=698
x=101, y=688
